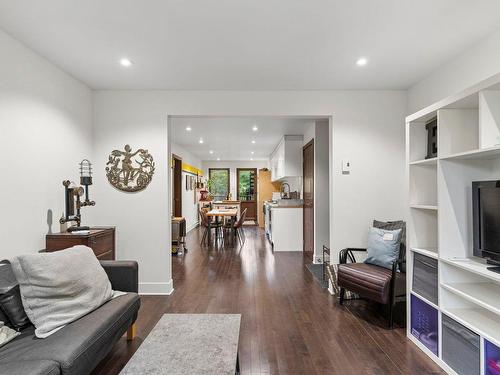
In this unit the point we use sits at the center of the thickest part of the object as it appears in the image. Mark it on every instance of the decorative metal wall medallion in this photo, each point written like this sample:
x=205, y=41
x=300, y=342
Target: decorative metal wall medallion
x=130, y=171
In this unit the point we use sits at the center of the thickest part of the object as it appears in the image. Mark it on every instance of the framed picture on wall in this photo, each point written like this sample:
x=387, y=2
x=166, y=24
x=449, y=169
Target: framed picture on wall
x=187, y=182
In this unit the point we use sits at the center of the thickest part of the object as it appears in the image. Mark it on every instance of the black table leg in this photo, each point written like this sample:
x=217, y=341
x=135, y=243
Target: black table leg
x=209, y=236
x=237, y=372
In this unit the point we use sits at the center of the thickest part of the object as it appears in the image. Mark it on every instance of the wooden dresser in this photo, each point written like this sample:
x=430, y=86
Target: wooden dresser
x=100, y=240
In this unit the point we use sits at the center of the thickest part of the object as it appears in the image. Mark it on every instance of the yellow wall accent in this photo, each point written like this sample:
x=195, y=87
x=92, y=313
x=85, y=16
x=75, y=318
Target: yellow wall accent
x=191, y=169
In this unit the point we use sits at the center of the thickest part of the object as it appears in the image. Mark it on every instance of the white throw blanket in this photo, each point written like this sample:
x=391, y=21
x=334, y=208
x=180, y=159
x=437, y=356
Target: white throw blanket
x=60, y=287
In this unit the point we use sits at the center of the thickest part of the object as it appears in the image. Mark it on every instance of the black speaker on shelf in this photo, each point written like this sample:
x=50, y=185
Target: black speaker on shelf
x=432, y=149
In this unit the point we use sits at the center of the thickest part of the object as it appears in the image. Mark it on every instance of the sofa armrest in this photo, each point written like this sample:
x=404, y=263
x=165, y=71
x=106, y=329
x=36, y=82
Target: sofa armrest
x=123, y=274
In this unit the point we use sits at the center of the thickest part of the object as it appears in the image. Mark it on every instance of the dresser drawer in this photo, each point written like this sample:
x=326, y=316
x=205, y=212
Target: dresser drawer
x=100, y=240
x=102, y=244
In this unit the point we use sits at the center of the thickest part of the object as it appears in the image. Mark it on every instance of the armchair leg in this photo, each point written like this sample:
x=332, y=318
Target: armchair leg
x=341, y=296
x=131, y=332
x=391, y=316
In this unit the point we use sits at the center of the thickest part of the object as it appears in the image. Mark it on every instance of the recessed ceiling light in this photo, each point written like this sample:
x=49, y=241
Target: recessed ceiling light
x=188, y=128
x=252, y=152
x=211, y=151
x=218, y=159
x=125, y=62
x=362, y=61
x=251, y=159
x=253, y=141
x=200, y=141
x=255, y=128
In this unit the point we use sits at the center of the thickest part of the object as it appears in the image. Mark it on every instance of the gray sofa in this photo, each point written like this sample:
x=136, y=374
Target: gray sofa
x=80, y=346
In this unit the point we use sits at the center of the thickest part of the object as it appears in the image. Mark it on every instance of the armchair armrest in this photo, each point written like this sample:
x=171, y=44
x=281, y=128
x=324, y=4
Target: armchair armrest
x=349, y=253
x=123, y=274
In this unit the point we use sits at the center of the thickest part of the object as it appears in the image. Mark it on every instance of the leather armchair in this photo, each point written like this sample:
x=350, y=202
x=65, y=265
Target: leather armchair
x=379, y=284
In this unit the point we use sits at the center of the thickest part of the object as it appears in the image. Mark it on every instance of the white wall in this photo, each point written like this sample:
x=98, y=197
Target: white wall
x=45, y=131
x=232, y=165
x=367, y=128
x=189, y=197
x=474, y=65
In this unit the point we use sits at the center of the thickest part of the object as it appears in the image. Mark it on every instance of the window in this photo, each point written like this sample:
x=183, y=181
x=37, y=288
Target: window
x=246, y=184
x=219, y=183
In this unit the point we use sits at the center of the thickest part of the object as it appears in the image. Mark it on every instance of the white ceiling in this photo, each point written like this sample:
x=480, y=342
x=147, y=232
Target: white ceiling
x=231, y=137
x=249, y=44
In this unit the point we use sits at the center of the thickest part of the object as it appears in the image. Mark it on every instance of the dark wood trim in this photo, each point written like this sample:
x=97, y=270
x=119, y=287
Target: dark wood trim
x=254, y=170
x=177, y=184
x=228, y=176
x=252, y=212
x=312, y=223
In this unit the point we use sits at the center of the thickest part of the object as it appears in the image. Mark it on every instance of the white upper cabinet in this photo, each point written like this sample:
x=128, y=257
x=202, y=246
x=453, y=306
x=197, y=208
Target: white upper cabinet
x=286, y=159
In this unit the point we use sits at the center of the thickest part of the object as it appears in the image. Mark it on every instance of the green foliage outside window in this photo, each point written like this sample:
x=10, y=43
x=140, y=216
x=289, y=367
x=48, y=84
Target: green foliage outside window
x=246, y=185
x=219, y=183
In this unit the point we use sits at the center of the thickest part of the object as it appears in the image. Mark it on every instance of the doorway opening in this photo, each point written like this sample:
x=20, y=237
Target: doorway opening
x=177, y=185
x=308, y=196
x=276, y=169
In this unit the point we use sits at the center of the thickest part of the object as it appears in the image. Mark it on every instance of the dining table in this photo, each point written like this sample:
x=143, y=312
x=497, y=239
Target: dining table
x=220, y=213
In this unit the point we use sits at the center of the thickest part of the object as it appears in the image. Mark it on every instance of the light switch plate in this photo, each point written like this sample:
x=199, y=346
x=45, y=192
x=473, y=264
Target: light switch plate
x=346, y=166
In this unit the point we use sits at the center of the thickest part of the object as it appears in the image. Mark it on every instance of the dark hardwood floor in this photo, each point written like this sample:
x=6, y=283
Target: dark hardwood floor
x=289, y=324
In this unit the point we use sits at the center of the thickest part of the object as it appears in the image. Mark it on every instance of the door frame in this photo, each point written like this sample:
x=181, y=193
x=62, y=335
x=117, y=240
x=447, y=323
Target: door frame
x=308, y=144
x=177, y=185
x=255, y=201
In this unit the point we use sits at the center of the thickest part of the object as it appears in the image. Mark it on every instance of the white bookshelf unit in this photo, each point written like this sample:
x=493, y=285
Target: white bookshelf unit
x=454, y=300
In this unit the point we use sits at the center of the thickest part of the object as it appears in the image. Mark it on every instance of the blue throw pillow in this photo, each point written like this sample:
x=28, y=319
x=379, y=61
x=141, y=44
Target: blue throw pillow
x=383, y=247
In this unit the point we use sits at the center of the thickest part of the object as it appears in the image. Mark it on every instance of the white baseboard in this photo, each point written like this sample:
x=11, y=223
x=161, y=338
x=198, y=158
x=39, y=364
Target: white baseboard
x=189, y=229
x=156, y=288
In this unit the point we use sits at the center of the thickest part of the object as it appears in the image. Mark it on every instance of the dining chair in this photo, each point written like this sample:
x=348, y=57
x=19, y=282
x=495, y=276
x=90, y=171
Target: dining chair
x=204, y=222
x=238, y=227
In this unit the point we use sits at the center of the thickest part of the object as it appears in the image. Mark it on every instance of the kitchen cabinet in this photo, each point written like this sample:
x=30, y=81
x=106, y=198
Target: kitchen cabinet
x=285, y=228
x=286, y=159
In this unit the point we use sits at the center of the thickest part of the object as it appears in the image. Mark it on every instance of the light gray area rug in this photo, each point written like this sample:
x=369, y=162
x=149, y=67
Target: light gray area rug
x=189, y=344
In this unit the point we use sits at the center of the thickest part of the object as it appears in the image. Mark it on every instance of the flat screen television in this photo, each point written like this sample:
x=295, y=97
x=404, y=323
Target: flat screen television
x=486, y=220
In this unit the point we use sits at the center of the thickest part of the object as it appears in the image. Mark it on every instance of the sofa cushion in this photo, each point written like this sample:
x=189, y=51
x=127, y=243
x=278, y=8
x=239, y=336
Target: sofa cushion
x=27, y=367
x=383, y=247
x=392, y=225
x=82, y=344
x=367, y=280
x=60, y=287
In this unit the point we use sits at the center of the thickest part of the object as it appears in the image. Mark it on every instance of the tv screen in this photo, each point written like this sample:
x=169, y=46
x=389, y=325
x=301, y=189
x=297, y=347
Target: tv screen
x=486, y=210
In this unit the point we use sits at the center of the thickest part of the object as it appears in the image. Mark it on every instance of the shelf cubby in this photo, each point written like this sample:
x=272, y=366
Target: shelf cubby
x=423, y=228
x=424, y=323
x=418, y=143
x=458, y=130
x=489, y=119
x=480, y=320
x=460, y=347
x=425, y=277
x=423, y=185
x=455, y=202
